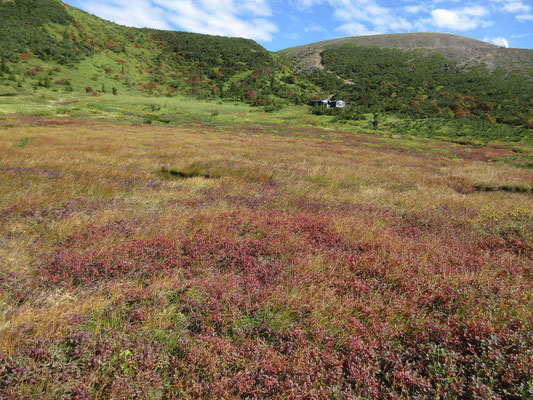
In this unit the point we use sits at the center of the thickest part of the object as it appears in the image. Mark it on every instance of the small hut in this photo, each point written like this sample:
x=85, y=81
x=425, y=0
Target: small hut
x=320, y=103
x=337, y=103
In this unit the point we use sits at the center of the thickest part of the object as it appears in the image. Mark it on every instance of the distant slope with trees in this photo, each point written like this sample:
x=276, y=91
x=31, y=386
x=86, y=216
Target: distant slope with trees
x=428, y=77
x=424, y=83
x=47, y=43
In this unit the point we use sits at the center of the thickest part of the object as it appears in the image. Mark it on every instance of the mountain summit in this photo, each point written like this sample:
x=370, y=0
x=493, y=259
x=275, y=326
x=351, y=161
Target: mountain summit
x=464, y=50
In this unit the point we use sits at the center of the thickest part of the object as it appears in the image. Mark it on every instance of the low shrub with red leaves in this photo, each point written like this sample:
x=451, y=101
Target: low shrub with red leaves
x=281, y=304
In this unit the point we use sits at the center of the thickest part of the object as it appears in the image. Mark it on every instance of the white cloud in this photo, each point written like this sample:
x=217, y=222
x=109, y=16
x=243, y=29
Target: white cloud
x=516, y=7
x=356, y=29
x=314, y=28
x=361, y=14
x=520, y=35
x=257, y=7
x=293, y=36
x=241, y=18
x=138, y=13
x=221, y=19
x=476, y=11
x=525, y=17
x=498, y=41
x=371, y=16
x=238, y=18
x=414, y=9
x=304, y=4
x=463, y=19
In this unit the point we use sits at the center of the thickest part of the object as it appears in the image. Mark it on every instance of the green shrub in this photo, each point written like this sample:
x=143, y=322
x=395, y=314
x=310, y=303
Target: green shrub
x=22, y=143
x=273, y=107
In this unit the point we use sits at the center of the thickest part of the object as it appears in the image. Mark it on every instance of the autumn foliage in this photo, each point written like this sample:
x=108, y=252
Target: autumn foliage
x=266, y=262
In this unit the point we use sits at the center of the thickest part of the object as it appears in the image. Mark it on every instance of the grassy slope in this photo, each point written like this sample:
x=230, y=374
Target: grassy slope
x=232, y=253
x=157, y=62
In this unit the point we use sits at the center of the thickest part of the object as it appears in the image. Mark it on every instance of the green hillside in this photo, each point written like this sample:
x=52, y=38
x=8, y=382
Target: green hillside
x=417, y=88
x=461, y=49
x=50, y=44
x=425, y=84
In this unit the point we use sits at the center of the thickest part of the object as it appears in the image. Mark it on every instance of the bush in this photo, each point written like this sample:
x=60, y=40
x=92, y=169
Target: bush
x=273, y=107
x=90, y=90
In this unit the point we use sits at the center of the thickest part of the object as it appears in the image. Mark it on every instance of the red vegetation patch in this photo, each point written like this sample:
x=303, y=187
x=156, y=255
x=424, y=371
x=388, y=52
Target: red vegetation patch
x=33, y=120
x=26, y=56
x=461, y=113
x=90, y=90
x=252, y=316
x=139, y=257
x=194, y=78
x=486, y=105
x=232, y=246
x=483, y=154
x=251, y=94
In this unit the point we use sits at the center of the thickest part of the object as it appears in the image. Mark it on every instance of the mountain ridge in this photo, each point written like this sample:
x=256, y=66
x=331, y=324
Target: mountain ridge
x=466, y=51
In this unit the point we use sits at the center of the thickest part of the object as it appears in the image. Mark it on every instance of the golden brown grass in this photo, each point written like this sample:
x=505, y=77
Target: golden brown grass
x=91, y=173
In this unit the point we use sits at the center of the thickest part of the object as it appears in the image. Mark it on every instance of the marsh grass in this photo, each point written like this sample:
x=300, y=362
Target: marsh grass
x=246, y=259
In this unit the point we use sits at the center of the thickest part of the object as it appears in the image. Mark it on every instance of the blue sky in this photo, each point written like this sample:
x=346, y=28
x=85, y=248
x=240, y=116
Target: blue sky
x=278, y=24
